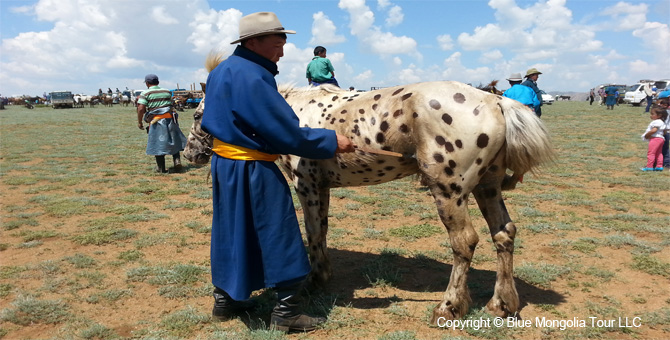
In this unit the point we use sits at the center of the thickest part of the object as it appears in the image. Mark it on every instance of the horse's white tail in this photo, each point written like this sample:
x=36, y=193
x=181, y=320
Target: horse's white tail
x=527, y=139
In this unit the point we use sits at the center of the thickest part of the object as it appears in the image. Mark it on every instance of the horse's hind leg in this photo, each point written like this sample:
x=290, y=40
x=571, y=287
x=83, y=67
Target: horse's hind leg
x=505, y=300
x=452, y=207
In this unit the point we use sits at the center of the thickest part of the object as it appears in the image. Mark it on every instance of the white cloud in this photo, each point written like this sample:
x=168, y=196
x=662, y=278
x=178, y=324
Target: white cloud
x=395, y=16
x=212, y=28
x=490, y=56
x=324, y=31
x=161, y=16
x=372, y=37
x=364, y=77
x=21, y=9
x=445, y=42
x=624, y=16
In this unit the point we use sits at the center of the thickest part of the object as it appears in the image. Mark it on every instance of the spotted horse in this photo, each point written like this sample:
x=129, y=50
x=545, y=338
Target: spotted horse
x=459, y=139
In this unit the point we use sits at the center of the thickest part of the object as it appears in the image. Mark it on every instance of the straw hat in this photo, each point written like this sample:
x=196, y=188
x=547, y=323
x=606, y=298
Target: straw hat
x=258, y=24
x=515, y=77
x=532, y=71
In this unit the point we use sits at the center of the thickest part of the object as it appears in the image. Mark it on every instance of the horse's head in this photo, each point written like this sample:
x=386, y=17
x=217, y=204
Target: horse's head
x=198, y=148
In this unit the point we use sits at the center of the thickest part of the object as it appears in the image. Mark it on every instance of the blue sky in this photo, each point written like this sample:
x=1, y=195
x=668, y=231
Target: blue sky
x=84, y=45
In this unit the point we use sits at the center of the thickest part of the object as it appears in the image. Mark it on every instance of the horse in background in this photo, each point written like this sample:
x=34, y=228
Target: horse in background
x=491, y=88
x=459, y=139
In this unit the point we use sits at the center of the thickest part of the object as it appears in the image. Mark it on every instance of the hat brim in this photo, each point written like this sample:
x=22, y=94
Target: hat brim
x=258, y=34
x=514, y=79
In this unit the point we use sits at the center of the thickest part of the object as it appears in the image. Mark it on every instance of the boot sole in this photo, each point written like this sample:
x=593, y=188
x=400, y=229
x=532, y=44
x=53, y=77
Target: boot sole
x=289, y=329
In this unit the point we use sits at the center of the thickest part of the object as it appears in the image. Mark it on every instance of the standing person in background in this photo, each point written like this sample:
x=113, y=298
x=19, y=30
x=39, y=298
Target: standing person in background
x=531, y=81
x=601, y=93
x=256, y=241
x=154, y=106
x=611, y=97
x=320, y=70
x=649, y=96
x=523, y=94
x=592, y=96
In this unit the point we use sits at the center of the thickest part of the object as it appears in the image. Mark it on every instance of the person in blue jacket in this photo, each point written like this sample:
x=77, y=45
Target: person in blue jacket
x=256, y=241
x=531, y=81
x=523, y=94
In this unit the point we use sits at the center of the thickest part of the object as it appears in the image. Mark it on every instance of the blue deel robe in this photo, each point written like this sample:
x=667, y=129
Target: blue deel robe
x=523, y=94
x=256, y=241
x=612, y=95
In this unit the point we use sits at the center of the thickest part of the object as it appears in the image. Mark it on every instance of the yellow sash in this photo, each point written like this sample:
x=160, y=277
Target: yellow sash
x=230, y=151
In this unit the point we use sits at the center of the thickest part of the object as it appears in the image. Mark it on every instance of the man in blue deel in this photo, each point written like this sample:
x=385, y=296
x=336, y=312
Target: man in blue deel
x=256, y=241
x=523, y=94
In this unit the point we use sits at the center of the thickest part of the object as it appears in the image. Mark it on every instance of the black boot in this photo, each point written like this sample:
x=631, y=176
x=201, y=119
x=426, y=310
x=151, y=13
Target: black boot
x=286, y=315
x=176, y=159
x=226, y=308
x=160, y=165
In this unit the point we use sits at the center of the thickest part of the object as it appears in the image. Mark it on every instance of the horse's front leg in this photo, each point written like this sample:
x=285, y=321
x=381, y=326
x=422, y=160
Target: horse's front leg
x=453, y=212
x=315, y=202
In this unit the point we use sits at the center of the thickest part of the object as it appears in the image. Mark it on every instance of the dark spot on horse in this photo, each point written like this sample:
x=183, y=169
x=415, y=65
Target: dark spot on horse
x=442, y=187
x=459, y=143
x=449, y=147
x=459, y=98
x=475, y=112
x=415, y=115
x=367, y=140
x=373, y=121
x=440, y=140
x=384, y=126
x=478, y=161
x=434, y=104
x=483, y=140
x=343, y=112
x=481, y=172
x=335, y=98
x=449, y=171
x=405, y=96
x=455, y=188
x=389, y=168
x=376, y=97
x=397, y=113
x=312, y=101
x=342, y=120
x=398, y=91
x=380, y=138
x=404, y=128
x=438, y=157
x=361, y=111
x=490, y=193
x=459, y=202
x=447, y=118
x=320, y=105
x=452, y=163
x=374, y=106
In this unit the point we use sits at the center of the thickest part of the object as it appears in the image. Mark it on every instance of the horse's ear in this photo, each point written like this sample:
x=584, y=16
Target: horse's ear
x=202, y=85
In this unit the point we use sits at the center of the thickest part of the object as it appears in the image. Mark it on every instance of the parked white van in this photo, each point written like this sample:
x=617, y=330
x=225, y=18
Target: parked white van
x=636, y=96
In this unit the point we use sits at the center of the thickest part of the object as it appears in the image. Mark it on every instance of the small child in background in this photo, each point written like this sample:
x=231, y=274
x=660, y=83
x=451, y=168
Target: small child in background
x=654, y=134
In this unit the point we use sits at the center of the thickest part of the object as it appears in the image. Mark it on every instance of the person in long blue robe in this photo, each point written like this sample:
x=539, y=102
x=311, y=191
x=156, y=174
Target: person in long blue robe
x=256, y=240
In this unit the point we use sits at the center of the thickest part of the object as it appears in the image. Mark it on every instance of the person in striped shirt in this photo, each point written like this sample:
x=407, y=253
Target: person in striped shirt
x=154, y=107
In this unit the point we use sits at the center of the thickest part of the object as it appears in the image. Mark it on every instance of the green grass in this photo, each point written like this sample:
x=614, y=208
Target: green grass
x=85, y=224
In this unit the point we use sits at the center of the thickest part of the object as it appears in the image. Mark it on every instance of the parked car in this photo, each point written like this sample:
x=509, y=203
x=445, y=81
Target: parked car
x=547, y=98
x=635, y=94
x=60, y=99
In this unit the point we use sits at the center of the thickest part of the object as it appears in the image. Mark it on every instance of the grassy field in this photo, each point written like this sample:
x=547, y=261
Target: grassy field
x=94, y=245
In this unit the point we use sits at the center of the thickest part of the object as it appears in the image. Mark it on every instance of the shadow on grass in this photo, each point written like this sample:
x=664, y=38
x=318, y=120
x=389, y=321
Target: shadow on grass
x=351, y=273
